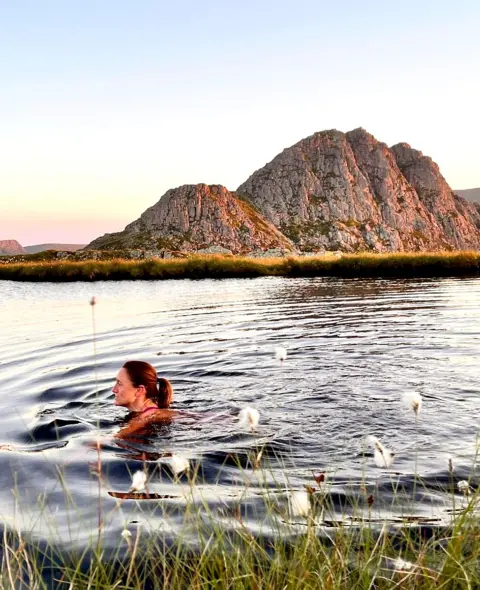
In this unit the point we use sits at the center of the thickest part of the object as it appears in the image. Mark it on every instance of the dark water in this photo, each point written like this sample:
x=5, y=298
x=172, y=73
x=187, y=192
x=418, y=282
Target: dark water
x=354, y=346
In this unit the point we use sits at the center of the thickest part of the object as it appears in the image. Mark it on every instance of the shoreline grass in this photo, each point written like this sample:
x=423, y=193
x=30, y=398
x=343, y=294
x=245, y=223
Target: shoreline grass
x=308, y=551
x=396, y=265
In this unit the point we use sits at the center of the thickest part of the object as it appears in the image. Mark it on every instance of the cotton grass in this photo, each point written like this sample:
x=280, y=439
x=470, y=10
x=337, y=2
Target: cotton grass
x=299, y=503
x=178, y=464
x=382, y=456
x=280, y=353
x=412, y=400
x=248, y=418
x=139, y=479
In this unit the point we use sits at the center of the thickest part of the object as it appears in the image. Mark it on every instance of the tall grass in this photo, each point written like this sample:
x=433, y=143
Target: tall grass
x=319, y=549
x=216, y=266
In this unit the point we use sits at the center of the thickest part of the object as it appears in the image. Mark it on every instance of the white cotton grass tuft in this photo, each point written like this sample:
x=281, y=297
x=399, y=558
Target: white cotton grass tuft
x=299, y=503
x=280, y=353
x=382, y=456
x=139, y=479
x=373, y=441
x=126, y=534
x=249, y=418
x=400, y=565
x=179, y=464
x=464, y=487
x=412, y=400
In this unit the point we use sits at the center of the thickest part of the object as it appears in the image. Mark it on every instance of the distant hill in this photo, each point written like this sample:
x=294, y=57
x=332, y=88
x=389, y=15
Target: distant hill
x=471, y=194
x=60, y=247
x=11, y=247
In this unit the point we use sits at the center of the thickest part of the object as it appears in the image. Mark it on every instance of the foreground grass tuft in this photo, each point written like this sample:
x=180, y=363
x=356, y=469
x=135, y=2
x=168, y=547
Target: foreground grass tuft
x=343, y=556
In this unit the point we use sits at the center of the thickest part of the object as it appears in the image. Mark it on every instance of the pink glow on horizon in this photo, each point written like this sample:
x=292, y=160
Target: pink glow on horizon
x=67, y=231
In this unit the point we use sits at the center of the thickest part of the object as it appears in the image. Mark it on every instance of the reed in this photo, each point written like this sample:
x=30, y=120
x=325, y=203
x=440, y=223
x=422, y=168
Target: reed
x=312, y=547
x=398, y=265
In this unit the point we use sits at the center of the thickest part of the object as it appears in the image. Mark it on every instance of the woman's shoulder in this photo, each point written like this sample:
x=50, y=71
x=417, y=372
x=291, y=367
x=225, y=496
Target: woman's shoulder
x=158, y=414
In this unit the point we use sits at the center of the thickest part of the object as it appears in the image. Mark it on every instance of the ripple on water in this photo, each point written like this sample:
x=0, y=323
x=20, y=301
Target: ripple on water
x=354, y=346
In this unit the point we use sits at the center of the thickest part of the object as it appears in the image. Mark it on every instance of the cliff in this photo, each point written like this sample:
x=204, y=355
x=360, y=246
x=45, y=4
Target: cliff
x=11, y=247
x=349, y=191
x=193, y=217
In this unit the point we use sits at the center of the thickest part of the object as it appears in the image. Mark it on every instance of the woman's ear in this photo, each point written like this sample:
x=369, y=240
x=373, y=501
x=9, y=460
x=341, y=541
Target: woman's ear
x=141, y=390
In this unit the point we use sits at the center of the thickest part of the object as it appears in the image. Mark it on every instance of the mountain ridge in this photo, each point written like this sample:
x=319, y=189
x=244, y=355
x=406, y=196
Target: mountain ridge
x=35, y=248
x=331, y=190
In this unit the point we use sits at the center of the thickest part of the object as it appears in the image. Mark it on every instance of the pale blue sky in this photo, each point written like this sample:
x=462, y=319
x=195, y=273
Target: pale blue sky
x=105, y=104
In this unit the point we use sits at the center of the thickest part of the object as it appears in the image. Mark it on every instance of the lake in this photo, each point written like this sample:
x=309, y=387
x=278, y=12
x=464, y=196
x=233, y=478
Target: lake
x=353, y=348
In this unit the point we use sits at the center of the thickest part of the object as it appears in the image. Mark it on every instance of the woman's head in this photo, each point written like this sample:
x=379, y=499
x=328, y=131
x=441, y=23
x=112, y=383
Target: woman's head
x=137, y=382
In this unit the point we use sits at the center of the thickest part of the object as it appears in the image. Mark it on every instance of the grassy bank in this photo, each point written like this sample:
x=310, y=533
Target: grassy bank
x=401, y=265
x=312, y=551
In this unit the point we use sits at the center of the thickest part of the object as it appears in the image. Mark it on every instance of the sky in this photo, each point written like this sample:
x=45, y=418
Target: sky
x=106, y=104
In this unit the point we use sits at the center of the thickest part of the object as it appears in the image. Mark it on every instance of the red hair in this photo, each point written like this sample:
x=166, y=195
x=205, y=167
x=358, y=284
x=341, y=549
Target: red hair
x=159, y=390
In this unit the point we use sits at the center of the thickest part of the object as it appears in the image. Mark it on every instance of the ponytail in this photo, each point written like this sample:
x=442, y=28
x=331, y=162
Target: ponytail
x=165, y=393
x=158, y=389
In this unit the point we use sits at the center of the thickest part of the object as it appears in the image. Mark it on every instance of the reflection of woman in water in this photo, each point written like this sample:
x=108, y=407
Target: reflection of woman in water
x=148, y=397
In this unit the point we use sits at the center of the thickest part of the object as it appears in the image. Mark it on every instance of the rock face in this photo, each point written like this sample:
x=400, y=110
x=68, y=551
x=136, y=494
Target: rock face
x=348, y=191
x=330, y=191
x=195, y=217
x=11, y=247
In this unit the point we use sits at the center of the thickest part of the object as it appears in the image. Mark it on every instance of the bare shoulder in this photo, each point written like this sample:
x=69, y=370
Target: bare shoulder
x=163, y=414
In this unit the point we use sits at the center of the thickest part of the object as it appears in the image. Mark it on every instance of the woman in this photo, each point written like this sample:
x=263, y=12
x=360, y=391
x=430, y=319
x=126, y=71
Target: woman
x=148, y=397
x=138, y=388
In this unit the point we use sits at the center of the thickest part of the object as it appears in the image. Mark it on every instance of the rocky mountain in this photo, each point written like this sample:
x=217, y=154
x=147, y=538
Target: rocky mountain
x=193, y=217
x=471, y=194
x=332, y=190
x=11, y=247
x=60, y=247
x=350, y=192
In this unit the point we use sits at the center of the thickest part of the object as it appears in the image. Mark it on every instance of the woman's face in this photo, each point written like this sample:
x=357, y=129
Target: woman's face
x=125, y=392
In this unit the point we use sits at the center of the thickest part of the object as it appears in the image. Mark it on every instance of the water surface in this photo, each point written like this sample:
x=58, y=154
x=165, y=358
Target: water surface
x=354, y=346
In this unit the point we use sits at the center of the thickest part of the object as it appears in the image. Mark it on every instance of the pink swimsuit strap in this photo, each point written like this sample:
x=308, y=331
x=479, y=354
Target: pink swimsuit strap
x=149, y=408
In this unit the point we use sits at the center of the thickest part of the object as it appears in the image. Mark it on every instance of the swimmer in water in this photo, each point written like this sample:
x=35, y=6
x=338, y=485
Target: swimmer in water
x=148, y=397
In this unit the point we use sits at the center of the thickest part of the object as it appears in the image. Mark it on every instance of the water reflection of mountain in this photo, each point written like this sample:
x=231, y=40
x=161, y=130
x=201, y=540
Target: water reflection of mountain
x=299, y=289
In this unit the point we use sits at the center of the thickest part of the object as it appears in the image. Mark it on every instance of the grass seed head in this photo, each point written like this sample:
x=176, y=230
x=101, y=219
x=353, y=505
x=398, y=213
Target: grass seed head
x=280, y=353
x=299, y=503
x=249, y=418
x=179, y=464
x=139, y=479
x=412, y=400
